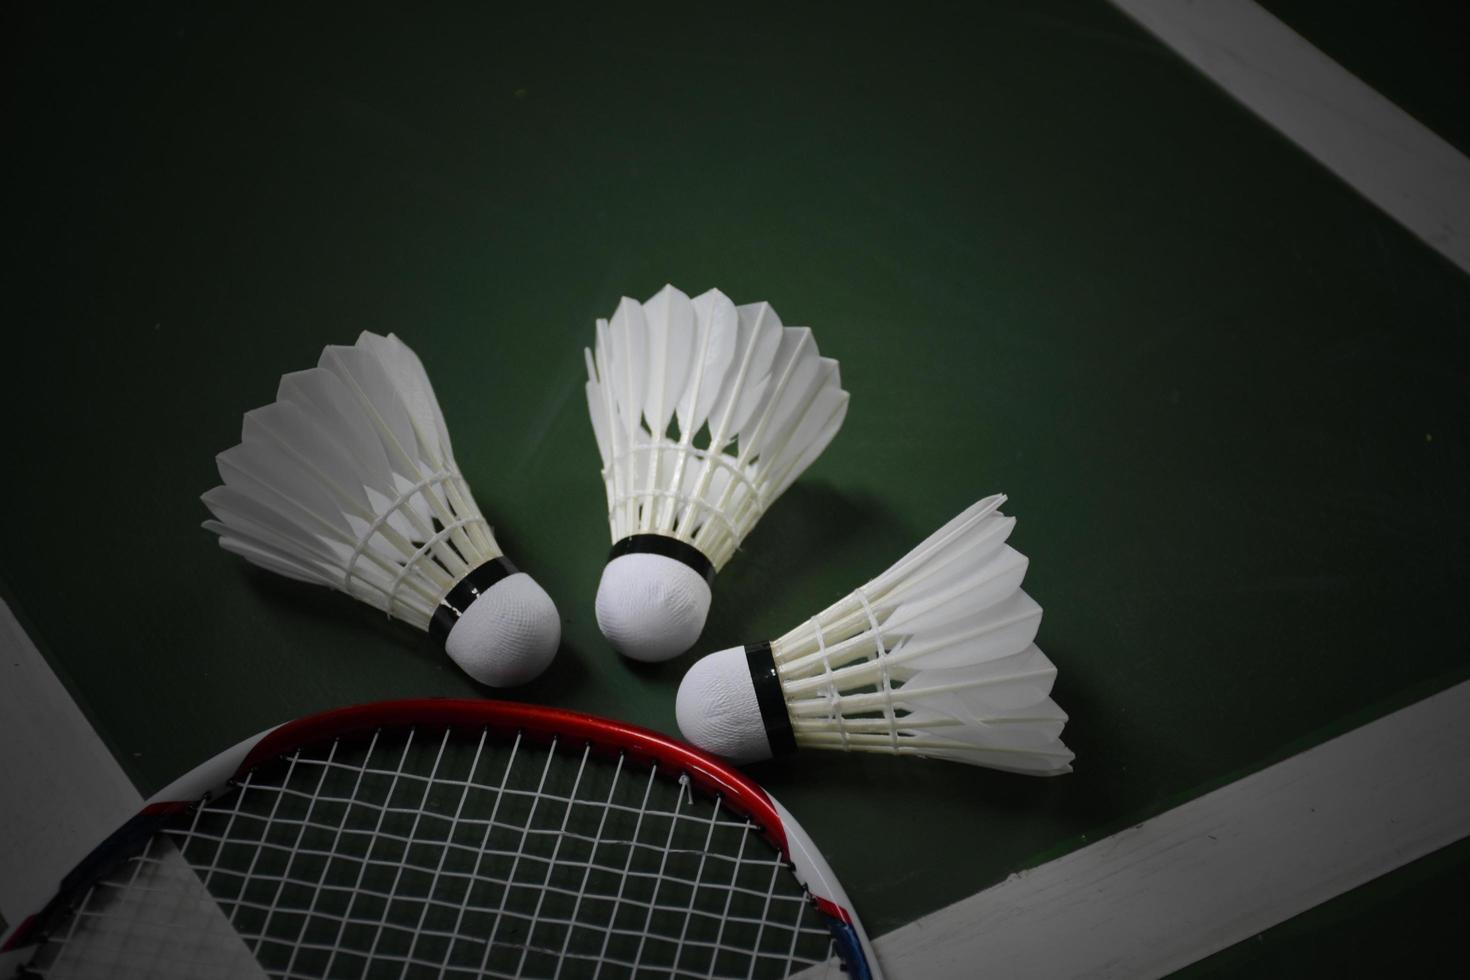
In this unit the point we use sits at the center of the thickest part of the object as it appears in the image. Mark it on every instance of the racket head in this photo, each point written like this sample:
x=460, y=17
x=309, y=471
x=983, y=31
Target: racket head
x=410, y=838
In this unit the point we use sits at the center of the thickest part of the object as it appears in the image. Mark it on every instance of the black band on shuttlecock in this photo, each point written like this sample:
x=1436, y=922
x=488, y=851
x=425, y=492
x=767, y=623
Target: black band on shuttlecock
x=661, y=544
x=466, y=591
x=769, y=697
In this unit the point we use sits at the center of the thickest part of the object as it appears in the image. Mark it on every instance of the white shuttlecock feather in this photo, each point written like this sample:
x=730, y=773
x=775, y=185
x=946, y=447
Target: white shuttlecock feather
x=348, y=480
x=704, y=413
x=935, y=657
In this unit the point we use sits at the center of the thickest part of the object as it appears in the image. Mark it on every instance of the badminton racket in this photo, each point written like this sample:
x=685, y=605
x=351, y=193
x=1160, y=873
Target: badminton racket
x=450, y=838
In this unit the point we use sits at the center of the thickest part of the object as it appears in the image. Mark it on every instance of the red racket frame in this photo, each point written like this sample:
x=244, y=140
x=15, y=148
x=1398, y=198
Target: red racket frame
x=539, y=723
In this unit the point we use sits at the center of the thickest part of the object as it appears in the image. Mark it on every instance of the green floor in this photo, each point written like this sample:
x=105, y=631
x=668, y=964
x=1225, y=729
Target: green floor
x=1226, y=396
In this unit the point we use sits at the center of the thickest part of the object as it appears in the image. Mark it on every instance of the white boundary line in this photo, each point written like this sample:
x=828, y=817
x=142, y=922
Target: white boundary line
x=1218, y=869
x=61, y=790
x=1223, y=867
x=1384, y=154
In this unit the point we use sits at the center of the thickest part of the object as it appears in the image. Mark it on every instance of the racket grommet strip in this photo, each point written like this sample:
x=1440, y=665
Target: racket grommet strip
x=770, y=698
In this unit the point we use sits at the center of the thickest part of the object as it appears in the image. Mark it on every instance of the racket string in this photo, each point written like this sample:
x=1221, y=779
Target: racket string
x=431, y=855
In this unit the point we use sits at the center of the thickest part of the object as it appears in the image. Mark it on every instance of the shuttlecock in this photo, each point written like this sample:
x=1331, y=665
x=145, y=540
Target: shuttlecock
x=348, y=480
x=704, y=413
x=932, y=658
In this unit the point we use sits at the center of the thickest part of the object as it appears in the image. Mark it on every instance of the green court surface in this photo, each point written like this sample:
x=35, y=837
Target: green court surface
x=1226, y=396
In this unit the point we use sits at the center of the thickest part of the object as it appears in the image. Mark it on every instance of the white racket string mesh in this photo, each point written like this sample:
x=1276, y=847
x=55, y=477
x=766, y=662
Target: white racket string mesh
x=448, y=853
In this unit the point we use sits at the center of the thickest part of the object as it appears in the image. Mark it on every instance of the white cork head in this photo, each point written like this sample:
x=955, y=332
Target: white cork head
x=651, y=607
x=509, y=633
x=717, y=708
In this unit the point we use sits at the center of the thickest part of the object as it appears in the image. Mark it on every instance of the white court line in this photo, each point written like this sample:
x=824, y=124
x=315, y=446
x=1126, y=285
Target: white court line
x=1224, y=867
x=63, y=793
x=61, y=790
x=1383, y=153
x=1220, y=868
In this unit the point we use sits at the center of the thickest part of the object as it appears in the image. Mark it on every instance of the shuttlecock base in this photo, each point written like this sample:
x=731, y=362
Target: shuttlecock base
x=718, y=710
x=508, y=634
x=651, y=607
